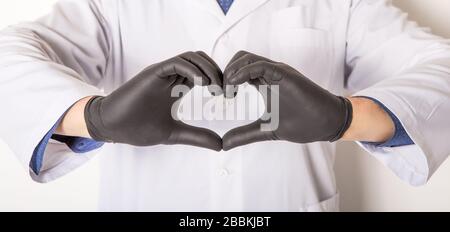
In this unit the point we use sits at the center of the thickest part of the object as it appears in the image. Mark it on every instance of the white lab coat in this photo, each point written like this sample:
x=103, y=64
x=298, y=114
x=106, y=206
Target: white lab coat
x=91, y=47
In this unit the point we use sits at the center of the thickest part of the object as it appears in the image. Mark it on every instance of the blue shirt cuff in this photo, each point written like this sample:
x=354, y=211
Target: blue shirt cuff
x=76, y=144
x=400, y=138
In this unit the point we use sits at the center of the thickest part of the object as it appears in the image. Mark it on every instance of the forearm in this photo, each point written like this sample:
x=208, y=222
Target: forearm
x=73, y=123
x=370, y=122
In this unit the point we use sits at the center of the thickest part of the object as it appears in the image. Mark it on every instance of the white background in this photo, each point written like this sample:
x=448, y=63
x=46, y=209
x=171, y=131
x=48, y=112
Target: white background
x=364, y=184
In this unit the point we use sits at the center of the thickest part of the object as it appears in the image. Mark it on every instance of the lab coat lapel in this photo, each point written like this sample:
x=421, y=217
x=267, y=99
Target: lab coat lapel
x=239, y=10
x=212, y=7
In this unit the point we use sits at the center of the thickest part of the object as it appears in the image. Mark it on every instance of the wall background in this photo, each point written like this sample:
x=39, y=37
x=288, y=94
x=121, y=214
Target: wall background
x=365, y=185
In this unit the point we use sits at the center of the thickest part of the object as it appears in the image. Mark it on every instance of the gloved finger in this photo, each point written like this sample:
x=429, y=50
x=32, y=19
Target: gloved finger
x=263, y=70
x=177, y=82
x=232, y=86
x=195, y=136
x=181, y=67
x=206, y=65
x=229, y=90
x=240, y=60
x=216, y=85
x=236, y=57
x=244, y=59
x=187, y=83
x=244, y=135
x=204, y=55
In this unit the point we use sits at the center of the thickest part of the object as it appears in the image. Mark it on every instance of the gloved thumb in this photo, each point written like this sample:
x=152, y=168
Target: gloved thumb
x=195, y=136
x=244, y=135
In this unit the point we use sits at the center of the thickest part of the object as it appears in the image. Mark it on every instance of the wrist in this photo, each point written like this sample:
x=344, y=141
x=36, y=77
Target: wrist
x=370, y=122
x=73, y=123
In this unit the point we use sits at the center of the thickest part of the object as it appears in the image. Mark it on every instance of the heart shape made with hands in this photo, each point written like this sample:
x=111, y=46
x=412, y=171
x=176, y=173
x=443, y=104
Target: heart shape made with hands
x=141, y=112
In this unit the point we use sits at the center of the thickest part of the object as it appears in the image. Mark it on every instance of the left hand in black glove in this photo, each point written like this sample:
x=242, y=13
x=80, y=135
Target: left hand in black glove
x=307, y=112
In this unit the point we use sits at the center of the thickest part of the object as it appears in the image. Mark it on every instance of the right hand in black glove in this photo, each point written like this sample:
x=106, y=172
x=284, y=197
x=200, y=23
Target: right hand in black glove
x=307, y=112
x=139, y=112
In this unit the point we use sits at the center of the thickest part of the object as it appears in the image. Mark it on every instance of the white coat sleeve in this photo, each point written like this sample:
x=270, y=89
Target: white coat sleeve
x=407, y=68
x=45, y=67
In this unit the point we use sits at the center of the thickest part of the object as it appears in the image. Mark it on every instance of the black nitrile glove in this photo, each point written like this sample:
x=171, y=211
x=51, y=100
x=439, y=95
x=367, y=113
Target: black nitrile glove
x=307, y=112
x=139, y=112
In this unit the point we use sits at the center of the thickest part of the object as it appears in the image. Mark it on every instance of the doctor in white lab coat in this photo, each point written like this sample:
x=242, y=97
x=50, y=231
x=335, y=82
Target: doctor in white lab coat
x=91, y=47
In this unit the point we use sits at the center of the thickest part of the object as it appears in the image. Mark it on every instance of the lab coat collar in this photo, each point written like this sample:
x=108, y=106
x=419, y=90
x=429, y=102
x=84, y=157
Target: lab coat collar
x=239, y=10
x=212, y=7
x=242, y=8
